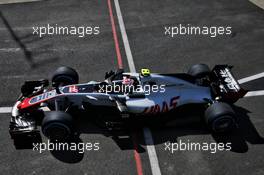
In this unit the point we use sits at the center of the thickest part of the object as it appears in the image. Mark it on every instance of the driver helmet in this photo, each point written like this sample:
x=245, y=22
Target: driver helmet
x=127, y=81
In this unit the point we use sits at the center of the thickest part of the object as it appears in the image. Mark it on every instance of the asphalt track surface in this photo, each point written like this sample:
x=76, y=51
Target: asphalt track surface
x=28, y=57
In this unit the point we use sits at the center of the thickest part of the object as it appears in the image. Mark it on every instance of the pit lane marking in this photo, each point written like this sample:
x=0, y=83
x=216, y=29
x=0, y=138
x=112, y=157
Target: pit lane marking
x=251, y=78
x=122, y=27
x=4, y=110
x=14, y=49
x=254, y=93
x=259, y=3
x=16, y=1
x=154, y=163
x=153, y=158
x=7, y=110
x=117, y=49
x=120, y=65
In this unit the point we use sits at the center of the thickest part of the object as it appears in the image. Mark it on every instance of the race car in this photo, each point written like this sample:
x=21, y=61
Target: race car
x=127, y=95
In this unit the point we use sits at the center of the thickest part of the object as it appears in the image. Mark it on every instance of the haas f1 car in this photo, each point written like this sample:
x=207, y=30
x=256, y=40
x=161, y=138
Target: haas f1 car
x=126, y=94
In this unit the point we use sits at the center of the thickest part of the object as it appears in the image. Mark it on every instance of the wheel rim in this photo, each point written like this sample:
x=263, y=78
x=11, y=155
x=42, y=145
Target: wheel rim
x=223, y=124
x=56, y=131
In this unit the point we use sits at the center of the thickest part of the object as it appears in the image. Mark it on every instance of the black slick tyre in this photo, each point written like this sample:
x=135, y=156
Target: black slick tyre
x=65, y=76
x=220, y=117
x=57, y=125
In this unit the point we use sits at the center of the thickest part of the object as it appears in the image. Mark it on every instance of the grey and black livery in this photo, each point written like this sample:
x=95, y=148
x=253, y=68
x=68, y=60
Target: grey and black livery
x=216, y=89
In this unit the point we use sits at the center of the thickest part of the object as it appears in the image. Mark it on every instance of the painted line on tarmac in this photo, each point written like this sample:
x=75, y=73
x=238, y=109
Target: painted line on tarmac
x=14, y=49
x=153, y=158
x=120, y=65
x=154, y=163
x=254, y=93
x=259, y=3
x=136, y=153
x=16, y=1
x=129, y=56
x=5, y=110
x=250, y=78
x=117, y=48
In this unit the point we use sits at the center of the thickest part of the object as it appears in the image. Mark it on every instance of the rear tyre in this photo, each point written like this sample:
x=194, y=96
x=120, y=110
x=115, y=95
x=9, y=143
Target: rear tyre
x=199, y=70
x=220, y=117
x=65, y=76
x=57, y=126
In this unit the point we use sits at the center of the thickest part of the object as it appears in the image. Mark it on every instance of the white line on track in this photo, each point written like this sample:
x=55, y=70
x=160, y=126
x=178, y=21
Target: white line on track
x=155, y=169
x=4, y=110
x=130, y=60
x=16, y=1
x=259, y=3
x=250, y=78
x=154, y=163
x=7, y=110
x=255, y=93
x=12, y=49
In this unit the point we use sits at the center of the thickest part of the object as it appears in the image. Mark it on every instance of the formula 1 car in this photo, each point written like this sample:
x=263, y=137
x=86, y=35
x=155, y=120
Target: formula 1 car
x=128, y=95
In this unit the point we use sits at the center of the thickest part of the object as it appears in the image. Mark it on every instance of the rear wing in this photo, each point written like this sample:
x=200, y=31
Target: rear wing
x=225, y=85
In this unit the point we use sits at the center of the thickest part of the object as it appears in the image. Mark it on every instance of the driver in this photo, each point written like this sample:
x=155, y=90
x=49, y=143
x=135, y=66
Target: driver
x=120, y=83
x=127, y=81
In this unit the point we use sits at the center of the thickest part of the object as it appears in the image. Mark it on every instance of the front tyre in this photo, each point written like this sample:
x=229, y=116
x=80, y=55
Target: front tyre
x=65, y=76
x=57, y=125
x=220, y=117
